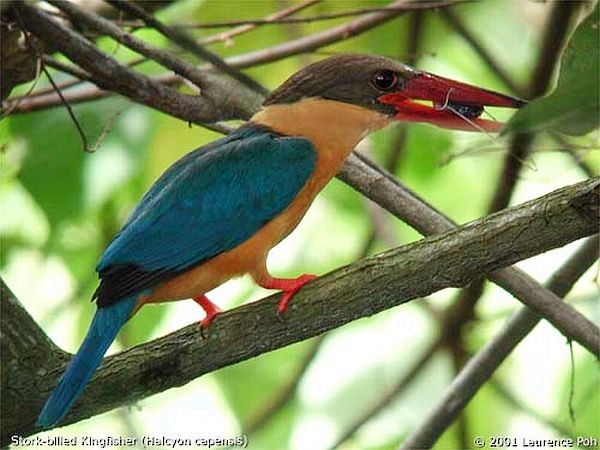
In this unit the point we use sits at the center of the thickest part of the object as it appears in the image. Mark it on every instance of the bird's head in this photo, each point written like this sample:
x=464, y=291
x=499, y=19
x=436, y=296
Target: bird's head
x=395, y=91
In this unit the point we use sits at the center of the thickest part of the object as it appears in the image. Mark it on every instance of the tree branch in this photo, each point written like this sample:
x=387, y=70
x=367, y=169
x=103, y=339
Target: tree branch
x=481, y=367
x=383, y=189
x=275, y=53
x=362, y=289
x=216, y=102
x=94, y=22
x=224, y=36
x=405, y=7
x=227, y=36
x=187, y=43
x=27, y=355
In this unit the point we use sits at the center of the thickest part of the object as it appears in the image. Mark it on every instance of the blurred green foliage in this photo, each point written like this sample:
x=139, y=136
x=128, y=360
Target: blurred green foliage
x=574, y=106
x=62, y=206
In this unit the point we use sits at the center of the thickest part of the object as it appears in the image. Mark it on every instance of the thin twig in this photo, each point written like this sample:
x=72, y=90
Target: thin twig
x=405, y=7
x=506, y=393
x=165, y=58
x=105, y=131
x=37, y=51
x=186, y=43
x=227, y=36
x=251, y=59
x=107, y=73
x=75, y=71
x=84, y=142
x=456, y=22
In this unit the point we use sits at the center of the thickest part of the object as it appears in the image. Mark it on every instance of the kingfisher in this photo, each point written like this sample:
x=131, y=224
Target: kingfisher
x=217, y=211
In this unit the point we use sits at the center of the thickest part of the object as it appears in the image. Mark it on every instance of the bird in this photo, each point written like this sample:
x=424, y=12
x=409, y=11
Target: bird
x=216, y=212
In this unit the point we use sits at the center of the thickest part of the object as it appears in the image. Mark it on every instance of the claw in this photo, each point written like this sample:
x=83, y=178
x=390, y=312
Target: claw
x=211, y=311
x=289, y=287
x=279, y=316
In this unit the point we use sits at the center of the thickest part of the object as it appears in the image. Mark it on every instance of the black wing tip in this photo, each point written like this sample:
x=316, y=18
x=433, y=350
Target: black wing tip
x=124, y=280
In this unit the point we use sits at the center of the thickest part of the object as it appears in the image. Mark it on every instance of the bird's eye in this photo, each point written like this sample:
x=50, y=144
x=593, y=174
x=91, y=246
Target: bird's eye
x=385, y=80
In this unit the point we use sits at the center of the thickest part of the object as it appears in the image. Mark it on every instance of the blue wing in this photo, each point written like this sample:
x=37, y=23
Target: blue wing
x=208, y=202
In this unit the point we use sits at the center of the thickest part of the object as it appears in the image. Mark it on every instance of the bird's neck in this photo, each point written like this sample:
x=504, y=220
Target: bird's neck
x=334, y=128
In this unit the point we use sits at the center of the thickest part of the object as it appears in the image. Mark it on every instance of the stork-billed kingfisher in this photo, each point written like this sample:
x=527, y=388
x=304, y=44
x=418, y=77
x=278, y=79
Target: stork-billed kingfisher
x=216, y=213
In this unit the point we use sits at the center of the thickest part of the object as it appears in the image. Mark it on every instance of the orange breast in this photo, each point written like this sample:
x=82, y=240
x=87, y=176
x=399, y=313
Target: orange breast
x=335, y=129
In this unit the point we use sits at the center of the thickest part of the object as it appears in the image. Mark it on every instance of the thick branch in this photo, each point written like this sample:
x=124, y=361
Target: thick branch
x=362, y=289
x=426, y=435
x=23, y=354
x=385, y=190
x=481, y=367
x=13, y=318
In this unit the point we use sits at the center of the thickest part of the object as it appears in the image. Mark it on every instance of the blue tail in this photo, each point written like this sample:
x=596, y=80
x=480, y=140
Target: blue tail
x=106, y=324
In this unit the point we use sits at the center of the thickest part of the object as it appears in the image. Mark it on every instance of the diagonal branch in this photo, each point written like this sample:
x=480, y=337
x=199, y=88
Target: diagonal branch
x=385, y=190
x=290, y=48
x=562, y=282
x=186, y=43
x=109, y=74
x=219, y=37
x=362, y=289
x=227, y=36
x=404, y=6
x=167, y=59
x=480, y=368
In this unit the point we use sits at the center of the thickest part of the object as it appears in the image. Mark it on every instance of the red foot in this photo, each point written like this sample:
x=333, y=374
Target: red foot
x=289, y=288
x=210, y=309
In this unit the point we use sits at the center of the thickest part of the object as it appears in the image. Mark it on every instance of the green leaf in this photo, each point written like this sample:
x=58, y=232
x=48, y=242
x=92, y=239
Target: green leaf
x=573, y=108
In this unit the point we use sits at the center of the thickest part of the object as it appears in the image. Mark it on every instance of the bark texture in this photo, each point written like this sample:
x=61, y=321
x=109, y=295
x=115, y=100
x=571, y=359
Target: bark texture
x=362, y=289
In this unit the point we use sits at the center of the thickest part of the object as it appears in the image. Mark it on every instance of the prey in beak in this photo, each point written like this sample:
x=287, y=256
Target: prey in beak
x=395, y=90
x=454, y=104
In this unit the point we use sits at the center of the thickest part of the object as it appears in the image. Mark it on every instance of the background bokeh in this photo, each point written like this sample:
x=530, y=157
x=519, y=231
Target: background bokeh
x=61, y=206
